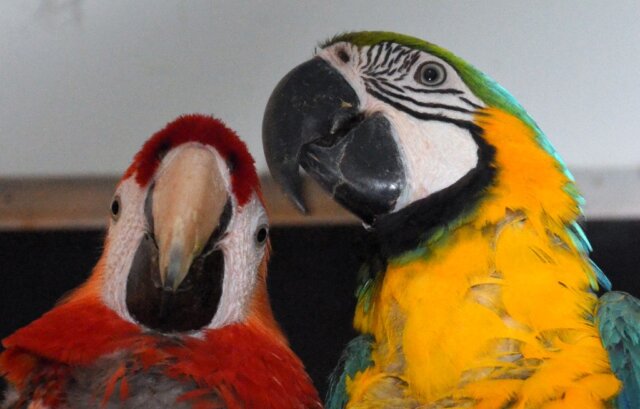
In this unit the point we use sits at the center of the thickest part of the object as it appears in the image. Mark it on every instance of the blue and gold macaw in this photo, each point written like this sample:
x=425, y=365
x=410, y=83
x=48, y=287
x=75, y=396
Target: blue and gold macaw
x=480, y=293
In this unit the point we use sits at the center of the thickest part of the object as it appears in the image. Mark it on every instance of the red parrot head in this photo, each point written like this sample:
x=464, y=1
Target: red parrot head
x=187, y=245
x=180, y=289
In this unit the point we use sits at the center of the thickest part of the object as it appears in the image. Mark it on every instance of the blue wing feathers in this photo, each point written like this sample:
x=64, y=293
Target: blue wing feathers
x=618, y=320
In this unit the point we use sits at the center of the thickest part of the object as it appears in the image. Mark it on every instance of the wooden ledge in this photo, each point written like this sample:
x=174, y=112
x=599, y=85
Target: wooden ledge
x=83, y=202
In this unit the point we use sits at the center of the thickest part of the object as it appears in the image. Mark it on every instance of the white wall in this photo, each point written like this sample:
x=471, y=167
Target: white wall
x=84, y=82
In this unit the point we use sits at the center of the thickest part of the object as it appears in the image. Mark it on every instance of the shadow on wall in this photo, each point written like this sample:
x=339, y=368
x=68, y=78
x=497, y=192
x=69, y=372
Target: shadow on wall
x=312, y=278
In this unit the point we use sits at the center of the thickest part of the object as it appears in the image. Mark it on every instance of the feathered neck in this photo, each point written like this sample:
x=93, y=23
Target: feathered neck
x=533, y=183
x=243, y=361
x=75, y=333
x=517, y=170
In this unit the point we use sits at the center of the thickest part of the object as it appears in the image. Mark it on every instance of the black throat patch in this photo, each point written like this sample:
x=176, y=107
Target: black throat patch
x=404, y=230
x=194, y=304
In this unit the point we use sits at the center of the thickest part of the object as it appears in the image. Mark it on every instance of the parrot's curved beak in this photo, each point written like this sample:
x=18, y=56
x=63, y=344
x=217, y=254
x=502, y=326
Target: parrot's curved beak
x=175, y=281
x=313, y=119
x=188, y=200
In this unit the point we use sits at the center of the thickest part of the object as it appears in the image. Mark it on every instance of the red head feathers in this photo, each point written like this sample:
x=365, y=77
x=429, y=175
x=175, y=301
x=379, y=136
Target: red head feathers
x=208, y=131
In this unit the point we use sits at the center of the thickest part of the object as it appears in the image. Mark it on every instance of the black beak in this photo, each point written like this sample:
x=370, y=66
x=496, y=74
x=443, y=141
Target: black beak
x=313, y=120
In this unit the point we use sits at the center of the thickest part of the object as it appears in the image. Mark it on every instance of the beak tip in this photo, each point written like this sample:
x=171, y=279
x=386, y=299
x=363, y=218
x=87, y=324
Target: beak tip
x=286, y=174
x=300, y=204
x=294, y=192
x=175, y=271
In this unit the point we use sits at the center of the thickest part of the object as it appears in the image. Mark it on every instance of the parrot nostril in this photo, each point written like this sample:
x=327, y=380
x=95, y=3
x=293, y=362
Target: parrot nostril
x=344, y=56
x=342, y=122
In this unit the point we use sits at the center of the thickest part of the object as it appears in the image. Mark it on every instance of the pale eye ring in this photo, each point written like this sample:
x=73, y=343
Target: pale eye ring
x=431, y=74
x=116, y=208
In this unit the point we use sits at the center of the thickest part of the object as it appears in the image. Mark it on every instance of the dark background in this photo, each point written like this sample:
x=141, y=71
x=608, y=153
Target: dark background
x=312, y=278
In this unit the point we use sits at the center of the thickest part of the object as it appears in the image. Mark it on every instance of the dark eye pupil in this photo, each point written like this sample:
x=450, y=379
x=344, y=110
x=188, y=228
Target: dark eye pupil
x=115, y=207
x=261, y=236
x=431, y=75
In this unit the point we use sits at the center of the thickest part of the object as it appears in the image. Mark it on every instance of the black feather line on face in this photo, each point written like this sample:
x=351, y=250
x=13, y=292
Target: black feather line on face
x=375, y=60
x=436, y=91
x=386, y=83
x=411, y=100
x=406, y=229
x=421, y=115
x=386, y=57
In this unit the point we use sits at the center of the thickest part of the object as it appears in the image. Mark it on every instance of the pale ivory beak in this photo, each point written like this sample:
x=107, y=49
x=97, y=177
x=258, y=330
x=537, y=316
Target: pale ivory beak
x=188, y=200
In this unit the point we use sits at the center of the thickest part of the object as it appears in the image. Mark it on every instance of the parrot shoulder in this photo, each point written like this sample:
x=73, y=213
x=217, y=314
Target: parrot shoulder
x=618, y=319
x=355, y=358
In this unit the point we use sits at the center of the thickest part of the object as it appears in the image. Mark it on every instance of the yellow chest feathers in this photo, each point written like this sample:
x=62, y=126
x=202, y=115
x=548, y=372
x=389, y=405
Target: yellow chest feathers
x=493, y=321
x=491, y=317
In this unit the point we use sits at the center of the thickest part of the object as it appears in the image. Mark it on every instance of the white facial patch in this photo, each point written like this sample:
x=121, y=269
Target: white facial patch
x=349, y=70
x=436, y=155
x=124, y=236
x=242, y=257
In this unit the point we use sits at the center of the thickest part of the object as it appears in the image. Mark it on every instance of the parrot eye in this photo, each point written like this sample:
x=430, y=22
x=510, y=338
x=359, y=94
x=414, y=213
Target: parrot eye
x=261, y=234
x=431, y=74
x=115, y=208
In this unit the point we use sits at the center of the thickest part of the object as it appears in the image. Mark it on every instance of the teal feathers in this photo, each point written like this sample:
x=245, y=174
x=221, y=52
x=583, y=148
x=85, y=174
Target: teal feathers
x=355, y=358
x=618, y=320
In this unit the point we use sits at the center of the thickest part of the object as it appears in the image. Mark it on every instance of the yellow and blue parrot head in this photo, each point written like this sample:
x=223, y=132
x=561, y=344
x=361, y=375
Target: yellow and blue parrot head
x=382, y=120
